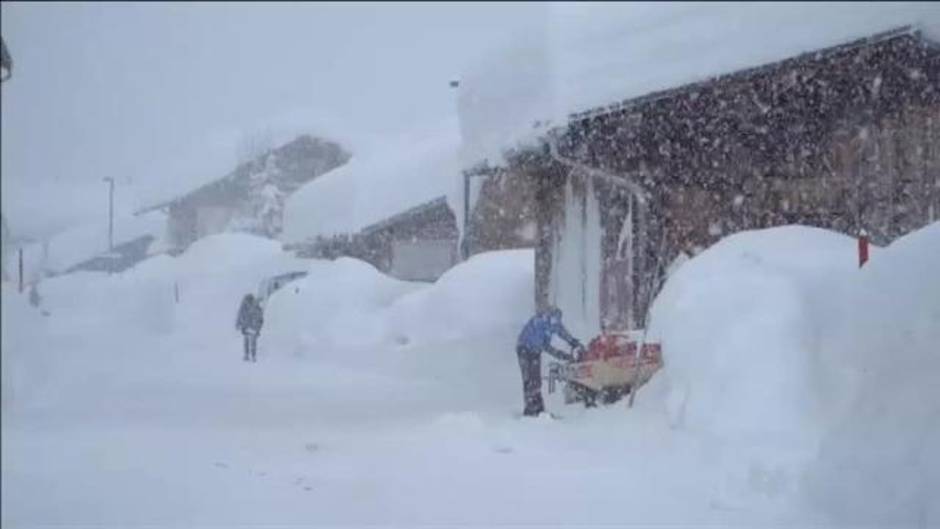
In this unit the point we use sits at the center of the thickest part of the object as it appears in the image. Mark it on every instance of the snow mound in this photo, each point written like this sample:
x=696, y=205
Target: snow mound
x=194, y=296
x=222, y=251
x=824, y=374
x=490, y=292
x=879, y=462
x=338, y=304
x=737, y=326
x=348, y=303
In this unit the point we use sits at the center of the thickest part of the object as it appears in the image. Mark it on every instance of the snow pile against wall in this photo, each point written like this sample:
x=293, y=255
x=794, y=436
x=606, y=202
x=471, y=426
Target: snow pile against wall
x=377, y=184
x=775, y=337
x=602, y=53
x=490, y=292
x=879, y=463
x=738, y=324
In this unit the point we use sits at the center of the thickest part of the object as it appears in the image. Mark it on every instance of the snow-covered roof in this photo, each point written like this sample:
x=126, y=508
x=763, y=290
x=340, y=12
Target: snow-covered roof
x=85, y=241
x=595, y=54
x=375, y=185
x=287, y=167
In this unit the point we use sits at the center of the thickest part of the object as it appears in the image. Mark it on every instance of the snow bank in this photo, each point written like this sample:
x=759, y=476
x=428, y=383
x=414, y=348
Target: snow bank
x=774, y=338
x=879, y=462
x=192, y=297
x=737, y=324
x=337, y=305
x=489, y=293
x=376, y=184
x=347, y=303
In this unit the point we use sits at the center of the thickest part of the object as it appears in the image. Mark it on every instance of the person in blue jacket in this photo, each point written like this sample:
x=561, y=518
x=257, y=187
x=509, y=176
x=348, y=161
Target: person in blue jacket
x=535, y=339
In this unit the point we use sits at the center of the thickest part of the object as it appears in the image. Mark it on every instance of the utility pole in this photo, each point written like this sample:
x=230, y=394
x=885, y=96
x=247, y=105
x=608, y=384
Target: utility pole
x=110, y=182
x=21, y=270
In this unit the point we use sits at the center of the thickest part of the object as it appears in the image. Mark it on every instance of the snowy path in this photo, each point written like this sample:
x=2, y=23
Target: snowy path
x=205, y=439
x=457, y=468
x=264, y=444
x=376, y=402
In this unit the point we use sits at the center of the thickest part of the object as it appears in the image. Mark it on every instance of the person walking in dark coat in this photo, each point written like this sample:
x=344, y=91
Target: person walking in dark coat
x=250, y=320
x=535, y=339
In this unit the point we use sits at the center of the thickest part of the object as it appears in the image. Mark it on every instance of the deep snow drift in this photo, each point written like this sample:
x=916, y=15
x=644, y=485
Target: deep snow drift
x=797, y=389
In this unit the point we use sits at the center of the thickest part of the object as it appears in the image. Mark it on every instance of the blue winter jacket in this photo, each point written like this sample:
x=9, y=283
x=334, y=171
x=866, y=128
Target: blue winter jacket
x=536, y=336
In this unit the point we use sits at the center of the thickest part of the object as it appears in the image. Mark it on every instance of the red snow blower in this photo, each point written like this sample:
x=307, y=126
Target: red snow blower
x=607, y=369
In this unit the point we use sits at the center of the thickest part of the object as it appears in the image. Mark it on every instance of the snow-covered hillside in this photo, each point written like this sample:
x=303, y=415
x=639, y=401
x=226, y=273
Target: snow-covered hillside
x=798, y=389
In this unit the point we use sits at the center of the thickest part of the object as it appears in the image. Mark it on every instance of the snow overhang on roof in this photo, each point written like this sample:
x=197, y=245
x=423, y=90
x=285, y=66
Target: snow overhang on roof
x=439, y=202
x=594, y=54
x=627, y=104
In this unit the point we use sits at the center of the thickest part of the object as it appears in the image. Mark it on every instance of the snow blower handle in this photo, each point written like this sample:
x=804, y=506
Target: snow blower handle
x=578, y=351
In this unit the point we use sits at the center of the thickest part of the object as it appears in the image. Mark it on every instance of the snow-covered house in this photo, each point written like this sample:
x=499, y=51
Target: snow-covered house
x=251, y=198
x=391, y=206
x=418, y=244
x=843, y=137
x=84, y=247
x=120, y=258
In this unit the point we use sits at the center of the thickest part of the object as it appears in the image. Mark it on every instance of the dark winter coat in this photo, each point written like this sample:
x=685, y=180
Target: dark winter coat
x=536, y=336
x=250, y=316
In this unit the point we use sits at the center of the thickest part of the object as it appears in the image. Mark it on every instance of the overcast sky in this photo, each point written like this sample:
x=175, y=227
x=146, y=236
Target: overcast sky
x=158, y=95
x=163, y=97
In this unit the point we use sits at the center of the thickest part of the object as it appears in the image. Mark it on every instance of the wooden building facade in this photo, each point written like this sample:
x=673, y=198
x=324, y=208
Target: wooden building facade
x=418, y=244
x=846, y=138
